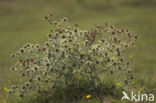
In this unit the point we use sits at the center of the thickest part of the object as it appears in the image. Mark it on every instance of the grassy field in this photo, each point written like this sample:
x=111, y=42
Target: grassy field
x=23, y=21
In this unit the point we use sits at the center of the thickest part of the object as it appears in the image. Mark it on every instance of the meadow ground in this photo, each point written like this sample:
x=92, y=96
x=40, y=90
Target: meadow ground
x=23, y=21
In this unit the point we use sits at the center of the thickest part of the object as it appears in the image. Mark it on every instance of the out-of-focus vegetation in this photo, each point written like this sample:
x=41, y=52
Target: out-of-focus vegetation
x=22, y=21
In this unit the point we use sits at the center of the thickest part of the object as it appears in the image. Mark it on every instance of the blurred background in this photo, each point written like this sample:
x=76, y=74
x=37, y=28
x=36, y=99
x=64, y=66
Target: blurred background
x=22, y=21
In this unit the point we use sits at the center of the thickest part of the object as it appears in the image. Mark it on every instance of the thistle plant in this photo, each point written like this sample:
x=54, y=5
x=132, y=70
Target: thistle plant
x=71, y=55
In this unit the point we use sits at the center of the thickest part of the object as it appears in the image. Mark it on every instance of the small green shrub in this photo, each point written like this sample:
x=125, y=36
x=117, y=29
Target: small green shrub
x=73, y=63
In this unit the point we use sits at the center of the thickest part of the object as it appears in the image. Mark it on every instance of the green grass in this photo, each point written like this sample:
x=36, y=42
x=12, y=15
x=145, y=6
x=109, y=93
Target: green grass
x=23, y=21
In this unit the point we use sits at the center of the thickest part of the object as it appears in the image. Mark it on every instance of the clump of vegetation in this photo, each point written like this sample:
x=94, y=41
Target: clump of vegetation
x=73, y=63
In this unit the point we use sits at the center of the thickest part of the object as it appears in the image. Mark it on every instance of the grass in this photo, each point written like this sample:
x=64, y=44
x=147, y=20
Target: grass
x=22, y=21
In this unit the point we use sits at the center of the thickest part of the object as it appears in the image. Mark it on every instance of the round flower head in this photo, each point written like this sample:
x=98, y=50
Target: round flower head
x=37, y=46
x=46, y=80
x=55, y=22
x=21, y=95
x=119, y=67
x=10, y=91
x=76, y=25
x=27, y=84
x=13, y=68
x=13, y=55
x=131, y=77
x=35, y=68
x=97, y=62
x=47, y=43
x=22, y=50
x=25, y=46
x=23, y=74
x=28, y=72
x=47, y=64
x=17, y=86
x=38, y=78
x=65, y=19
x=49, y=35
x=121, y=60
x=45, y=73
x=63, y=36
x=106, y=54
x=75, y=30
x=111, y=72
x=30, y=80
x=23, y=87
x=128, y=63
x=28, y=45
x=13, y=86
x=136, y=37
x=46, y=17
